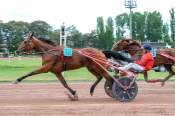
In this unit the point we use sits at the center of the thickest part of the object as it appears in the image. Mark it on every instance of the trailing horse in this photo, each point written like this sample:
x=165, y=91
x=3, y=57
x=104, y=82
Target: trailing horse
x=53, y=60
x=164, y=57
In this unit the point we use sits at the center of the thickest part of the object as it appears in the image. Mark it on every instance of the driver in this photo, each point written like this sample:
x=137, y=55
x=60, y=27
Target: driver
x=144, y=64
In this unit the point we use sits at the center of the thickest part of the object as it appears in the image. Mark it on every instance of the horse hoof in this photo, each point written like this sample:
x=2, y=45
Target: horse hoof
x=91, y=93
x=76, y=97
x=72, y=97
x=162, y=84
x=15, y=82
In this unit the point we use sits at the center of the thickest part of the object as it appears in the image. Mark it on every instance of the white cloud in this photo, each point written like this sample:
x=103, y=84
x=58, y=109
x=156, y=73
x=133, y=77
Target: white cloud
x=81, y=13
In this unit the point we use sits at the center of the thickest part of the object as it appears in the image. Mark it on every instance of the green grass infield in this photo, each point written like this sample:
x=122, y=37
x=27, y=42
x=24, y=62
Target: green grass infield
x=13, y=68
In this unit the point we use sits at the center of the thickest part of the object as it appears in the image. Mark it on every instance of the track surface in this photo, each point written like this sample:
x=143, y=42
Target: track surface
x=49, y=99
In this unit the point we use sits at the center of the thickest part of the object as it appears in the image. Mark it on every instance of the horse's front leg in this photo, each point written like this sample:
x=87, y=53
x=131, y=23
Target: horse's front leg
x=43, y=69
x=145, y=75
x=165, y=79
x=74, y=96
x=171, y=73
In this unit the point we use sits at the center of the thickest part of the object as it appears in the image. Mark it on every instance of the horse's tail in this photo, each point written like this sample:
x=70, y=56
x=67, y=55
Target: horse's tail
x=117, y=56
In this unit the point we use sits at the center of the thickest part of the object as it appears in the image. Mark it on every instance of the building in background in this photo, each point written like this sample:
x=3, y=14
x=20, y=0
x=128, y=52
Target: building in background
x=158, y=45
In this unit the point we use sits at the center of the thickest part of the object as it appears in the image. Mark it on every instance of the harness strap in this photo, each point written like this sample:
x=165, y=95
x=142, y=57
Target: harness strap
x=64, y=60
x=167, y=56
x=62, y=56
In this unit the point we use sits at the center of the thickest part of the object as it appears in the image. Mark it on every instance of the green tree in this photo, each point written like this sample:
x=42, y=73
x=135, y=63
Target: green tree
x=121, y=22
x=74, y=37
x=109, y=37
x=172, y=23
x=15, y=33
x=154, y=26
x=101, y=33
x=165, y=34
x=55, y=35
x=40, y=28
x=138, y=26
x=90, y=39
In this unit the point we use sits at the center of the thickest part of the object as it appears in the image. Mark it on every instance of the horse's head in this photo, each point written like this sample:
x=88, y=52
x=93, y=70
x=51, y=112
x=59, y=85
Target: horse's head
x=38, y=44
x=134, y=48
x=27, y=44
x=120, y=45
x=130, y=45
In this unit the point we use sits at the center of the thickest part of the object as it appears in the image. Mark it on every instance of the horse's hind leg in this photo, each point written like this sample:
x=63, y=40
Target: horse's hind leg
x=171, y=73
x=97, y=75
x=73, y=92
x=166, y=78
x=94, y=85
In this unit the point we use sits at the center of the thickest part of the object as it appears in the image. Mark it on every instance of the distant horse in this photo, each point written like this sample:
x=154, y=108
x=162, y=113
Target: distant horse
x=54, y=61
x=164, y=57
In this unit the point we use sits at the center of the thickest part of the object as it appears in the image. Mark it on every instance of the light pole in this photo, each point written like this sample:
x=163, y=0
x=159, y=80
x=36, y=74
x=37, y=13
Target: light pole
x=130, y=4
x=63, y=35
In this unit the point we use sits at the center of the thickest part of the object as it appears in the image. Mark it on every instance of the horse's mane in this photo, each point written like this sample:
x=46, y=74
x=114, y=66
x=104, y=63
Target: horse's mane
x=130, y=41
x=135, y=42
x=48, y=41
x=118, y=42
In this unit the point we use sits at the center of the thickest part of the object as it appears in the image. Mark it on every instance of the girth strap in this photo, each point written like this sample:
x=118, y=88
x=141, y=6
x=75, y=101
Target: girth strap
x=64, y=60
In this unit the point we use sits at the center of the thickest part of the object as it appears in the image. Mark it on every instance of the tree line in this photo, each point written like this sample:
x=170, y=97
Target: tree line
x=147, y=26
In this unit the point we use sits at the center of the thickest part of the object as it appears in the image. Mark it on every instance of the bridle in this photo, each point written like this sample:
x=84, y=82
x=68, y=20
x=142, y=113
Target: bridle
x=37, y=53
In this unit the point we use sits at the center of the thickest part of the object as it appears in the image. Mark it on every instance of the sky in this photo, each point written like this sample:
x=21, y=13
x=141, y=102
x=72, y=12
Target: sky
x=80, y=13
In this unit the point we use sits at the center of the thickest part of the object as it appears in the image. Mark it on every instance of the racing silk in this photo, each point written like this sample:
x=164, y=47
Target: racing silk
x=147, y=61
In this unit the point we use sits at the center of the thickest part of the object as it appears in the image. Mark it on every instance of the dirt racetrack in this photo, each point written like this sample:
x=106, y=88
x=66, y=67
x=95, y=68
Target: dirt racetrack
x=49, y=99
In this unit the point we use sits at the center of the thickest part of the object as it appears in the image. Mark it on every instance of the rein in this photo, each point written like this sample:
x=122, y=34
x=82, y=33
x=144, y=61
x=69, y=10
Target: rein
x=38, y=53
x=135, y=49
x=63, y=59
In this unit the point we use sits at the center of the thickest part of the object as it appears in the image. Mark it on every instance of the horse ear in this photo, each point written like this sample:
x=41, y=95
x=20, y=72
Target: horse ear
x=31, y=35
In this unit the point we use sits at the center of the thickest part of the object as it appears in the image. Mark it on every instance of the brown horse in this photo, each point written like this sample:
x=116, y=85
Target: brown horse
x=134, y=48
x=54, y=61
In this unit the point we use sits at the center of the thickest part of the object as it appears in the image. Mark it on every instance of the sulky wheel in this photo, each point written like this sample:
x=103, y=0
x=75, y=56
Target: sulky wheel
x=124, y=94
x=108, y=87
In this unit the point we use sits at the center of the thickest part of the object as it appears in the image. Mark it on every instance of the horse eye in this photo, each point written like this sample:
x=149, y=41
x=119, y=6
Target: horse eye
x=25, y=42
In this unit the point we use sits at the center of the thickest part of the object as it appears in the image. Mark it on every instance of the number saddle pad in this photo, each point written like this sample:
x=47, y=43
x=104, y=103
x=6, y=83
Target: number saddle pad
x=153, y=51
x=67, y=52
